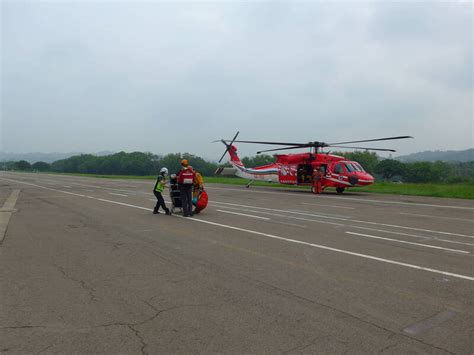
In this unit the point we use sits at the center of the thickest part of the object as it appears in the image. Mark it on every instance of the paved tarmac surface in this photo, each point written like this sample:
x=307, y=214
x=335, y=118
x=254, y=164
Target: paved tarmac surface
x=86, y=267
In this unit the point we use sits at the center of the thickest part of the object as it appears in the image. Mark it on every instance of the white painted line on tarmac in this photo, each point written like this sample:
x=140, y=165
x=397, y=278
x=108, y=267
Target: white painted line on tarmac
x=347, y=220
x=452, y=241
x=98, y=187
x=342, y=218
x=310, y=213
x=253, y=191
x=243, y=214
x=411, y=243
x=437, y=217
x=401, y=203
x=115, y=194
x=364, y=256
x=332, y=206
x=123, y=204
x=351, y=226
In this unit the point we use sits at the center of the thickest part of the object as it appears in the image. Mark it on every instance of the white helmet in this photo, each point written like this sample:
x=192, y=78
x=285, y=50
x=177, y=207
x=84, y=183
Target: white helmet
x=164, y=171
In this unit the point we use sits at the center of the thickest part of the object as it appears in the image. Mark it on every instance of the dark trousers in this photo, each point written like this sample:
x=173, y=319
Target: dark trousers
x=186, y=198
x=160, y=202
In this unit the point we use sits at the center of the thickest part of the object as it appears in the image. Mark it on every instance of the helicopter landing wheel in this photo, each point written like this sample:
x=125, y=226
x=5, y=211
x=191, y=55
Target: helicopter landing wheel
x=339, y=190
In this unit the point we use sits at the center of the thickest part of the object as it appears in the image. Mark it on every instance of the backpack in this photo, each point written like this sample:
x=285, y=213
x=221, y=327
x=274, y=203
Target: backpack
x=186, y=177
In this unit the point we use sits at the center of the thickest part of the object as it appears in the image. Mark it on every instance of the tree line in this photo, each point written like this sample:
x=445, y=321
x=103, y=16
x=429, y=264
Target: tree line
x=136, y=163
x=145, y=164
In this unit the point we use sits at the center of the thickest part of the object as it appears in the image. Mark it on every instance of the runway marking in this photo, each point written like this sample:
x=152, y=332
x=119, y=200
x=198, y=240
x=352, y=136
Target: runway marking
x=113, y=193
x=405, y=242
x=360, y=200
x=246, y=215
x=352, y=226
x=345, y=198
x=6, y=213
x=334, y=206
x=342, y=251
x=112, y=189
x=348, y=220
x=437, y=217
x=364, y=256
x=310, y=213
x=452, y=241
x=342, y=218
x=99, y=187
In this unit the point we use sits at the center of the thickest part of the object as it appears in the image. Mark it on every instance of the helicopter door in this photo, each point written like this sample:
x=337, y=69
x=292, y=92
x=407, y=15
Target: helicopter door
x=305, y=173
x=339, y=173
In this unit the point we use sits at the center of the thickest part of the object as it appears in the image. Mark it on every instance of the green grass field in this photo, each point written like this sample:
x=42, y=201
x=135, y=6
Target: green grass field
x=460, y=190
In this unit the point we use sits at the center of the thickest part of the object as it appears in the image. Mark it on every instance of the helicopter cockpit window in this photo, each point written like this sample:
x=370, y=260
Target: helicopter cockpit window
x=353, y=166
x=359, y=167
x=338, y=169
x=350, y=168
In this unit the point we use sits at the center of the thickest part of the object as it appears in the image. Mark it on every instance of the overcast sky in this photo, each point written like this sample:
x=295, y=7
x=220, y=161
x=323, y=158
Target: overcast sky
x=167, y=77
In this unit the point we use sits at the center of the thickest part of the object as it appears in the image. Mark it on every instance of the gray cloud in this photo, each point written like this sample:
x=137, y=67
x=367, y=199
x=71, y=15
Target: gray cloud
x=164, y=77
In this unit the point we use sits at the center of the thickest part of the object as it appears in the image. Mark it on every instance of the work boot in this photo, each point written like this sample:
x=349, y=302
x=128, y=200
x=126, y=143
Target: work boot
x=155, y=211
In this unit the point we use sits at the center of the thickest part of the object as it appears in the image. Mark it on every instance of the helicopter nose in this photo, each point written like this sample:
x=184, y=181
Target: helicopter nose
x=365, y=179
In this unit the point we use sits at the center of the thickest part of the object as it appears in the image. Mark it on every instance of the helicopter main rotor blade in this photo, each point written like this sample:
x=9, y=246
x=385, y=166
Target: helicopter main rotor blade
x=373, y=140
x=274, y=143
x=287, y=148
x=364, y=148
x=228, y=145
x=223, y=155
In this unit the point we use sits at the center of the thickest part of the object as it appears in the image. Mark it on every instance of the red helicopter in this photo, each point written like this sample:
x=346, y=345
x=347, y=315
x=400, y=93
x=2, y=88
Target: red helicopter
x=314, y=169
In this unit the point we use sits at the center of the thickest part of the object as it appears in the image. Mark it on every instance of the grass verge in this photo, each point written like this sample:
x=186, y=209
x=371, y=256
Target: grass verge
x=461, y=190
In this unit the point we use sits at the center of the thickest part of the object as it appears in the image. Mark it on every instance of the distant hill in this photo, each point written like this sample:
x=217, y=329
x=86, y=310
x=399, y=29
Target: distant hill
x=448, y=156
x=46, y=157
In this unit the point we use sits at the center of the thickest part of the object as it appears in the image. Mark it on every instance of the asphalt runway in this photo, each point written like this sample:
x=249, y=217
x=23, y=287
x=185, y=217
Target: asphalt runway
x=87, y=268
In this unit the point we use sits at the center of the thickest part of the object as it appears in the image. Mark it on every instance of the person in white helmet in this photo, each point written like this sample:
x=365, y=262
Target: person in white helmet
x=160, y=184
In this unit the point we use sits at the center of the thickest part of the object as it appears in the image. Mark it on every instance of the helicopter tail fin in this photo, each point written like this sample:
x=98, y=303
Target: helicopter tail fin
x=232, y=150
x=234, y=158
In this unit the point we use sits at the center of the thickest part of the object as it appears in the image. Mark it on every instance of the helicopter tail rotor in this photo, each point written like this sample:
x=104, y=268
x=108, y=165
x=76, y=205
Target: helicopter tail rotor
x=228, y=145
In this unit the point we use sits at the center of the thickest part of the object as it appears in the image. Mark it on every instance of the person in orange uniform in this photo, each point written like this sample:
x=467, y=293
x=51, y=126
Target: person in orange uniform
x=185, y=182
x=198, y=184
x=317, y=185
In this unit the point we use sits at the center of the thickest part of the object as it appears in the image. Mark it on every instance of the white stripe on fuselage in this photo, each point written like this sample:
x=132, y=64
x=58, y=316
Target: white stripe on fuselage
x=270, y=174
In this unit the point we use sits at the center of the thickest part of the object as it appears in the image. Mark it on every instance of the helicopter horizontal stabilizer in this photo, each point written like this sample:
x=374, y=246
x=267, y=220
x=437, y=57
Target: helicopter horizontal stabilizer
x=221, y=171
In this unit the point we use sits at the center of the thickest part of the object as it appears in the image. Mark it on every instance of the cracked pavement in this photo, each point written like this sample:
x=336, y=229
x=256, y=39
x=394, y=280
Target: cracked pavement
x=78, y=275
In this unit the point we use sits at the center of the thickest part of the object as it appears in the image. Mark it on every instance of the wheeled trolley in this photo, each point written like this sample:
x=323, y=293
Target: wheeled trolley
x=175, y=195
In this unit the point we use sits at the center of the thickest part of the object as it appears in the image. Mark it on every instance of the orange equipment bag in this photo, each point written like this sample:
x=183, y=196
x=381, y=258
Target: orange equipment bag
x=202, y=201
